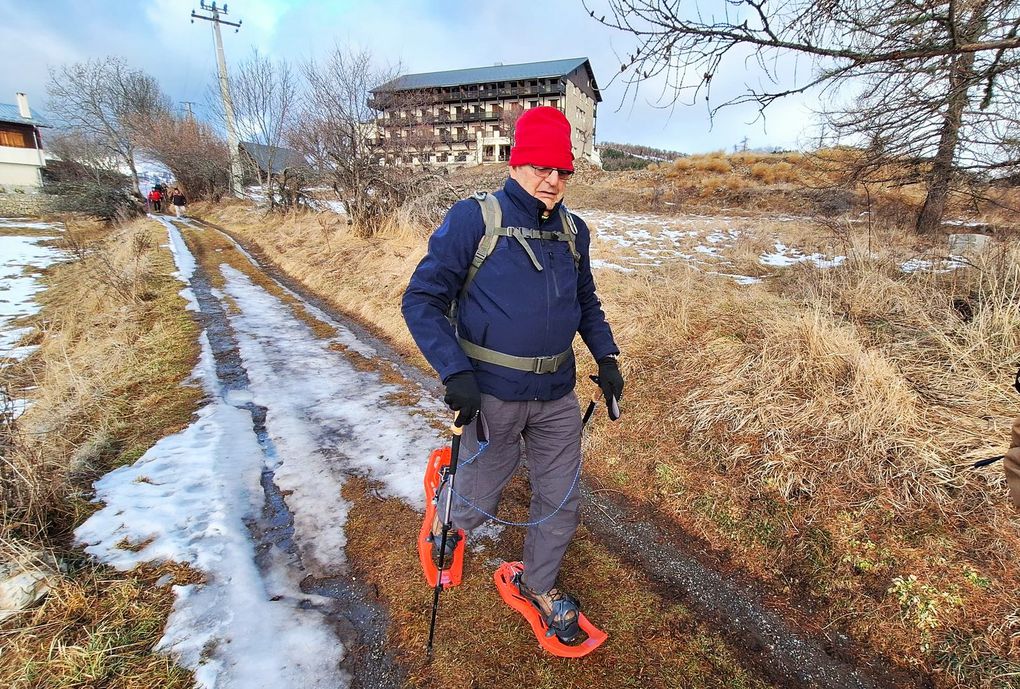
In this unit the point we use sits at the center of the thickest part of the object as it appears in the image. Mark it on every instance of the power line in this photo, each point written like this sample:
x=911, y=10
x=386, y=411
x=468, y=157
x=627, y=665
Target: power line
x=216, y=17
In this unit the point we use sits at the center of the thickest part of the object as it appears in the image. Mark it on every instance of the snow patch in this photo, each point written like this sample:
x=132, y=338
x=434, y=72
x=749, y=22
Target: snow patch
x=597, y=263
x=183, y=259
x=21, y=262
x=785, y=256
x=939, y=265
x=326, y=419
x=31, y=224
x=186, y=500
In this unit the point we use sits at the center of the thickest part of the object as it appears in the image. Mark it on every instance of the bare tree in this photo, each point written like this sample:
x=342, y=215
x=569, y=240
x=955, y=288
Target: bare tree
x=915, y=66
x=265, y=96
x=508, y=117
x=197, y=156
x=369, y=162
x=108, y=103
x=82, y=156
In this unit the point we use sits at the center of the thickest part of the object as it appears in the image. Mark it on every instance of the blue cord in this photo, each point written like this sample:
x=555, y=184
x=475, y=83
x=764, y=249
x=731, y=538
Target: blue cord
x=481, y=449
x=476, y=508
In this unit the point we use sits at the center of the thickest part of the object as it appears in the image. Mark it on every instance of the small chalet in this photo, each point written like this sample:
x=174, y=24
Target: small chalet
x=261, y=161
x=21, y=151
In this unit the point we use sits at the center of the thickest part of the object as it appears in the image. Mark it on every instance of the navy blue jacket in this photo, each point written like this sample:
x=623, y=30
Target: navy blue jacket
x=510, y=306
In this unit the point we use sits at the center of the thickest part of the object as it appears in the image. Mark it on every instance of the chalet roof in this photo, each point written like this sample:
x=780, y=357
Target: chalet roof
x=10, y=113
x=485, y=75
x=282, y=158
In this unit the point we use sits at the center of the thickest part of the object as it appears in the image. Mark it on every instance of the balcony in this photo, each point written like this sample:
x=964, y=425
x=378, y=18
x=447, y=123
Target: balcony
x=504, y=92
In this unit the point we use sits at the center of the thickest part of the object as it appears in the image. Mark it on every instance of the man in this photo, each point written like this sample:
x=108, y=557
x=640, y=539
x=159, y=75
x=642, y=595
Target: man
x=178, y=201
x=511, y=356
x=155, y=199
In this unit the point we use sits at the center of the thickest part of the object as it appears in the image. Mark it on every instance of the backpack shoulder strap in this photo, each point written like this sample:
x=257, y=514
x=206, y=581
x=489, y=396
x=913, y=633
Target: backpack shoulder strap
x=492, y=216
x=570, y=230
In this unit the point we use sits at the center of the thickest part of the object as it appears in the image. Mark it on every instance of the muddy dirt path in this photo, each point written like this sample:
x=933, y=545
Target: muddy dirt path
x=768, y=644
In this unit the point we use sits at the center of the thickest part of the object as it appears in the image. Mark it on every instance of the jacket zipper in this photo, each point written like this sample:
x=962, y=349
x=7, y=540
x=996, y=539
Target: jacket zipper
x=548, y=298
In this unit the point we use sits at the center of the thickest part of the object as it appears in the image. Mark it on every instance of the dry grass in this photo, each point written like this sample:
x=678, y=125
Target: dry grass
x=482, y=642
x=363, y=278
x=795, y=183
x=815, y=431
x=95, y=629
x=823, y=436
x=115, y=345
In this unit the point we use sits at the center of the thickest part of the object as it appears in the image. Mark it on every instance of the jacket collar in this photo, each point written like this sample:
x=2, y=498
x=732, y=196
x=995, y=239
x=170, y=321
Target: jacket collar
x=525, y=202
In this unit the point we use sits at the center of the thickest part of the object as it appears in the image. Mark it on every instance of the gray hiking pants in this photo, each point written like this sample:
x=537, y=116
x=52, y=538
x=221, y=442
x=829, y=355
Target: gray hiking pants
x=552, y=438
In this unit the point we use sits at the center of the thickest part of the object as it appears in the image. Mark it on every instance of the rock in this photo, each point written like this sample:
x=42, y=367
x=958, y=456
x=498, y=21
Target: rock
x=24, y=581
x=968, y=244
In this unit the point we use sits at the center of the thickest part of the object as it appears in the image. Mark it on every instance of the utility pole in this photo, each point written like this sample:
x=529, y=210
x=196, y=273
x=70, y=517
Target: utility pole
x=228, y=105
x=187, y=106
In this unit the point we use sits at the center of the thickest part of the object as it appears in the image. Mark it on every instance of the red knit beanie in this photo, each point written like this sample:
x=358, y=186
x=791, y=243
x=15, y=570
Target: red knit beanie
x=542, y=137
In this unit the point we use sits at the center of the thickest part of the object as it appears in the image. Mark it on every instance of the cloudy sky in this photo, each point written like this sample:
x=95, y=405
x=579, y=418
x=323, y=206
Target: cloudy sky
x=422, y=36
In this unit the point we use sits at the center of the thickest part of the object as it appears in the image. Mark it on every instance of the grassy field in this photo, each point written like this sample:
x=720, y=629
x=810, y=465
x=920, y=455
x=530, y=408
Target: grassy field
x=115, y=346
x=814, y=431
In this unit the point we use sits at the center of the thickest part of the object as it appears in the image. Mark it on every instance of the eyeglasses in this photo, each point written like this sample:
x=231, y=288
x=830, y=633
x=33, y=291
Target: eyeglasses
x=544, y=172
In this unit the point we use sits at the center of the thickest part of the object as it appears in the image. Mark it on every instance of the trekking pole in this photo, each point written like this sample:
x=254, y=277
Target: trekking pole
x=451, y=474
x=594, y=402
x=986, y=462
x=591, y=408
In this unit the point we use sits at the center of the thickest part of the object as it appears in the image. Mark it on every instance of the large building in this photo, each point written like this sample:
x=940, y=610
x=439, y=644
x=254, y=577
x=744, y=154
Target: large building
x=21, y=154
x=466, y=116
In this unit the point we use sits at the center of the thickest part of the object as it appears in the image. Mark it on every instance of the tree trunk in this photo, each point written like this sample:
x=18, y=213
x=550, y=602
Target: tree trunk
x=961, y=78
x=134, y=174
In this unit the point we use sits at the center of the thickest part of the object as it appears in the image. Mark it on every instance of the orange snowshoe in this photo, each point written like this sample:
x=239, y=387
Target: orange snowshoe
x=507, y=579
x=439, y=460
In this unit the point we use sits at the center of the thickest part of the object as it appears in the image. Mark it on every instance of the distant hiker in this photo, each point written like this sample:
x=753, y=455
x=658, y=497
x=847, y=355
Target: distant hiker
x=516, y=264
x=155, y=199
x=178, y=201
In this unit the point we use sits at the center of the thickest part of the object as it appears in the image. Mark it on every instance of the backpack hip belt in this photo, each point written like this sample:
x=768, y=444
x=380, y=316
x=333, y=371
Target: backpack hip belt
x=532, y=364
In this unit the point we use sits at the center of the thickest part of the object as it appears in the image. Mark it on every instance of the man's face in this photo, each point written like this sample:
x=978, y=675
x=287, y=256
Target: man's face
x=548, y=189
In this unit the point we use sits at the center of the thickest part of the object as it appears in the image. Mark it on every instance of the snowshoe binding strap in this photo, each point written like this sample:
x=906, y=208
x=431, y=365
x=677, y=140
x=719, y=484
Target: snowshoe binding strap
x=453, y=571
x=452, y=541
x=507, y=578
x=564, y=610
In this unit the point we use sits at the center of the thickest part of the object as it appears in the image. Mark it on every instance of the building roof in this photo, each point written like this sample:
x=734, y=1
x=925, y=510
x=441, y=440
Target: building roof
x=485, y=75
x=10, y=113
x=282, y=158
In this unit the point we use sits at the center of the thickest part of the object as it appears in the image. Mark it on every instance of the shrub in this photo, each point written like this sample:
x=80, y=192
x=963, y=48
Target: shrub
x=110, y=203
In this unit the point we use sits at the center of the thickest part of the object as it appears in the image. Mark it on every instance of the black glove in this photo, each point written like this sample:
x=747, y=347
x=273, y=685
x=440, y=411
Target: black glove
x=463, y=396
x=611, y=383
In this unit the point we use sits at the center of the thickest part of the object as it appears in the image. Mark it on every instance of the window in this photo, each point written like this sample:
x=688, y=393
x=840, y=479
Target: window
x=532, y=103
x=16, y=138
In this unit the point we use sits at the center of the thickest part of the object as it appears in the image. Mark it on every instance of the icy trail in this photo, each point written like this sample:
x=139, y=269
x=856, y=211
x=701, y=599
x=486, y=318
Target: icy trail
x=21, y=262
x=193, y=496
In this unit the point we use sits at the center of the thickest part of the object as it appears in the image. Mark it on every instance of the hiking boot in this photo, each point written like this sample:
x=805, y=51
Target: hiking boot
x=436, y=539
x=561, y=611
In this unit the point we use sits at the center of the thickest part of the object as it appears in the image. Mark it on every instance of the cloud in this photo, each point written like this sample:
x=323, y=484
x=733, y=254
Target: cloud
x=158, y=36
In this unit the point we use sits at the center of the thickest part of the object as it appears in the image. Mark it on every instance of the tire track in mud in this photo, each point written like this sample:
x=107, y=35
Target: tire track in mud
x=358, y=617
x=767, y=643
